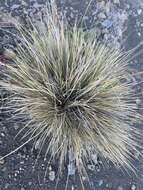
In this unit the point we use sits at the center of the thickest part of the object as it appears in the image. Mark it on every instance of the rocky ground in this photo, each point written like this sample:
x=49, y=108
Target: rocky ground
x=117, y=22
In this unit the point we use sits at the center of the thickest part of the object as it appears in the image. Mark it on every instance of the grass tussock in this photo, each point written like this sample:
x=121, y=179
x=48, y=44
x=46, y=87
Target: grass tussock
x=76, y=92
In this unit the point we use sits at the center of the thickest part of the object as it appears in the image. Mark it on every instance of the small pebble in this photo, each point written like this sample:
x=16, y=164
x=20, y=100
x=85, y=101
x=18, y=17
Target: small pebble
x=2, y=134
x=22, y=188
x=91, y=167
x=120, y=188
x=83, y=178
x=14, y=6
x=101, y=16
x=107, y=23
x=50, y=168
x=139, y=34
x=6, y=185
x=133, y=187
x=116, y=1
x=1, y=161
x=101, y=5
x=71, y=169
x=16, y=126
x=72, y=187
x=23, y=3
x=51, y=175
x=100, y=182
x=94, y=158
x=29, y=183
x=37, y=145
x=139, y=11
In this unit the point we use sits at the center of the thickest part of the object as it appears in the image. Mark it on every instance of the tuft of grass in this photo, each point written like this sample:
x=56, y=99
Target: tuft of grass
x=77, y=94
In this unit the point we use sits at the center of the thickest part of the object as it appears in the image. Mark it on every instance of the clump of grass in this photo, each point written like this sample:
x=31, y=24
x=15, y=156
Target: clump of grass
x=76, y=92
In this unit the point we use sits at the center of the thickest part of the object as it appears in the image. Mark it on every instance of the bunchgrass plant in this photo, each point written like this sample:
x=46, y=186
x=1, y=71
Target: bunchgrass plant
x=77, y=94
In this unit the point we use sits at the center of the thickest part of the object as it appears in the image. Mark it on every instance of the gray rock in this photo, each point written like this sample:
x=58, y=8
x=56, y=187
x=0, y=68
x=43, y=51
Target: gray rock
x=94, y=158
x=139, y=11
x=101, y=15
x=100, y=182
x=37, y=144
x=107, y=23
x=91, y=167
x=71, y=169
x=120, y=188
x=116, y=2
x=15, y=6
x=133, y=187
x=100, y=5
x=1, y=161
x=52, y=175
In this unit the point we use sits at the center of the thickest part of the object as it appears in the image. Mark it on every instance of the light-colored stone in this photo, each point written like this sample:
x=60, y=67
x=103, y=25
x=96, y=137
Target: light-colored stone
x=133, y=187
x=94, y=158
x=2, y=134
x=84, y=178
x=50, y=168
x=72, y=188
x=116, y=2
x=16, y=126
x=101, y=5
x=91, y=167
x=139, y=11
x=1, y=161
x=120, y=188
x=37, y=144
x=24, y=3
x=71, y=169
x=51, y=175
x=101, y=16
x=100, y=182
x=14, y=6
